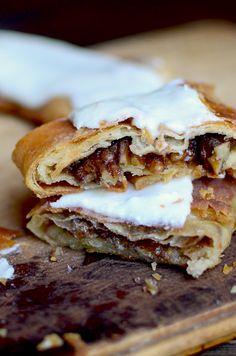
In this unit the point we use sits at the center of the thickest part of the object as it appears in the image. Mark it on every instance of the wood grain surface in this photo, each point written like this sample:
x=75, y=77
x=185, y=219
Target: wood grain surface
x=100, y=297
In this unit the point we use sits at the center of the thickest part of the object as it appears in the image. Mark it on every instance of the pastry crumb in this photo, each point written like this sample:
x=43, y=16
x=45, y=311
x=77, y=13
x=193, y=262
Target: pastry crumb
x=3, y=332
x=233, y=289
x=3, y=281
x=50, y=341
x=137, y=280
x=234, y=264
x=227, y=269
x=154, y=266
x=56, y=253
x=59, y=251
x=75, y=341
x=69, y=269
x=157, y=276
x=53, y=259
x=151, y=286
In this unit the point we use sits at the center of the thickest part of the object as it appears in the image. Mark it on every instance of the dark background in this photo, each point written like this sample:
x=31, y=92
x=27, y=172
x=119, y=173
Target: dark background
x=89, y=21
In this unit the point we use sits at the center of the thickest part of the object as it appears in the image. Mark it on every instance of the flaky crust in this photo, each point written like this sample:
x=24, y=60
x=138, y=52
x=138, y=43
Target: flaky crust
x=44, y=154
x=198, y=245
x=55, y=108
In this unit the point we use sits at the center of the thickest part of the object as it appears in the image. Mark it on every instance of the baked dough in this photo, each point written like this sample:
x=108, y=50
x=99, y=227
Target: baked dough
x=57, y=158
x=197, y=246
x=51, y=110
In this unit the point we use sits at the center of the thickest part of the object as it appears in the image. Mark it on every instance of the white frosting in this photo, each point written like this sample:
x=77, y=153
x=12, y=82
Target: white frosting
x=34, y=69
x=161, y=204
x=9, y=250
x=6, y=270
x=175, y=105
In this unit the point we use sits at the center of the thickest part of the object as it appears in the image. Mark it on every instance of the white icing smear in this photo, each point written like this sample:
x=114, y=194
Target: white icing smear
x=6, y=270
x=161, y=204
x=9, y=250
x=34, y=69
x=175, y=105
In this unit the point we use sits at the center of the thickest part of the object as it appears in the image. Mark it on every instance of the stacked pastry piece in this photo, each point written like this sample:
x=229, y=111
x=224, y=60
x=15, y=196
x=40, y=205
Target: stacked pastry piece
x=147, y=177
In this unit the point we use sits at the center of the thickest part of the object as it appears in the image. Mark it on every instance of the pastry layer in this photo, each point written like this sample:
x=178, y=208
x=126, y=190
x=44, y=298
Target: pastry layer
x=57, y=158
x=196, y=246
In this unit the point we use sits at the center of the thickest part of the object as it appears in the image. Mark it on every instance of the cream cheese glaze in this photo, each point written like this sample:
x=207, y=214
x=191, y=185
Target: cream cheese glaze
x=34, y=69
x=161, y=204
x=176, y=106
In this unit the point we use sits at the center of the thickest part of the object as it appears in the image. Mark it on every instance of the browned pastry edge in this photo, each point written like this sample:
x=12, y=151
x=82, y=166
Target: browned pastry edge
x=51, y=110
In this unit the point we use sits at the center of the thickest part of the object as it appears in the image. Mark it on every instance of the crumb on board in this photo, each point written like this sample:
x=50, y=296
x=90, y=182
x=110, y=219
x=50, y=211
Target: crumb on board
x=151, y=286
x=227, y=269
x=75, y=341
x=233, y=289
x=3, y=332
x=154, y=266
x=59, y=251
x=234, y=264
x=137, y=280
x=3, y=281
x=69, y=269
x=157, y=276
x=53, y=259
x=50, y=341
x=55, y=254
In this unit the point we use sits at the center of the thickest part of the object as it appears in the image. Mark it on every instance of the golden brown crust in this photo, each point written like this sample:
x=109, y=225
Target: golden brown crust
x=55, y=108
x=207, y=95
x=35, y=145
x=215, y=198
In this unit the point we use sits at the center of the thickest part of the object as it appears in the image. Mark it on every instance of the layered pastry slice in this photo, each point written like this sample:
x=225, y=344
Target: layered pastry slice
x=175, y=131
x=179, y=222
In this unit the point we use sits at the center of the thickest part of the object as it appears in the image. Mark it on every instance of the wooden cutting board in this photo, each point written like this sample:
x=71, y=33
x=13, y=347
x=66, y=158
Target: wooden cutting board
x=102, y=298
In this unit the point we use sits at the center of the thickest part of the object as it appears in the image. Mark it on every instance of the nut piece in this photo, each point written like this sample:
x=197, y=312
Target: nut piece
x=50, y=341
x=56, y=253
x=227, y=269
x=53, y=259
x=157, y=276
x=151, y=286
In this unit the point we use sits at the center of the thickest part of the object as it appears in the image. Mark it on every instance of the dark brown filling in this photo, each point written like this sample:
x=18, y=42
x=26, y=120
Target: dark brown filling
x=110, y=161
x=83, y=228
x=201, y=148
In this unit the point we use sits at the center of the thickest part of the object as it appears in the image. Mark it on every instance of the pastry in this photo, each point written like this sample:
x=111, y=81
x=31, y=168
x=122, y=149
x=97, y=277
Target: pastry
x=177, y=130
x=171, y=223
